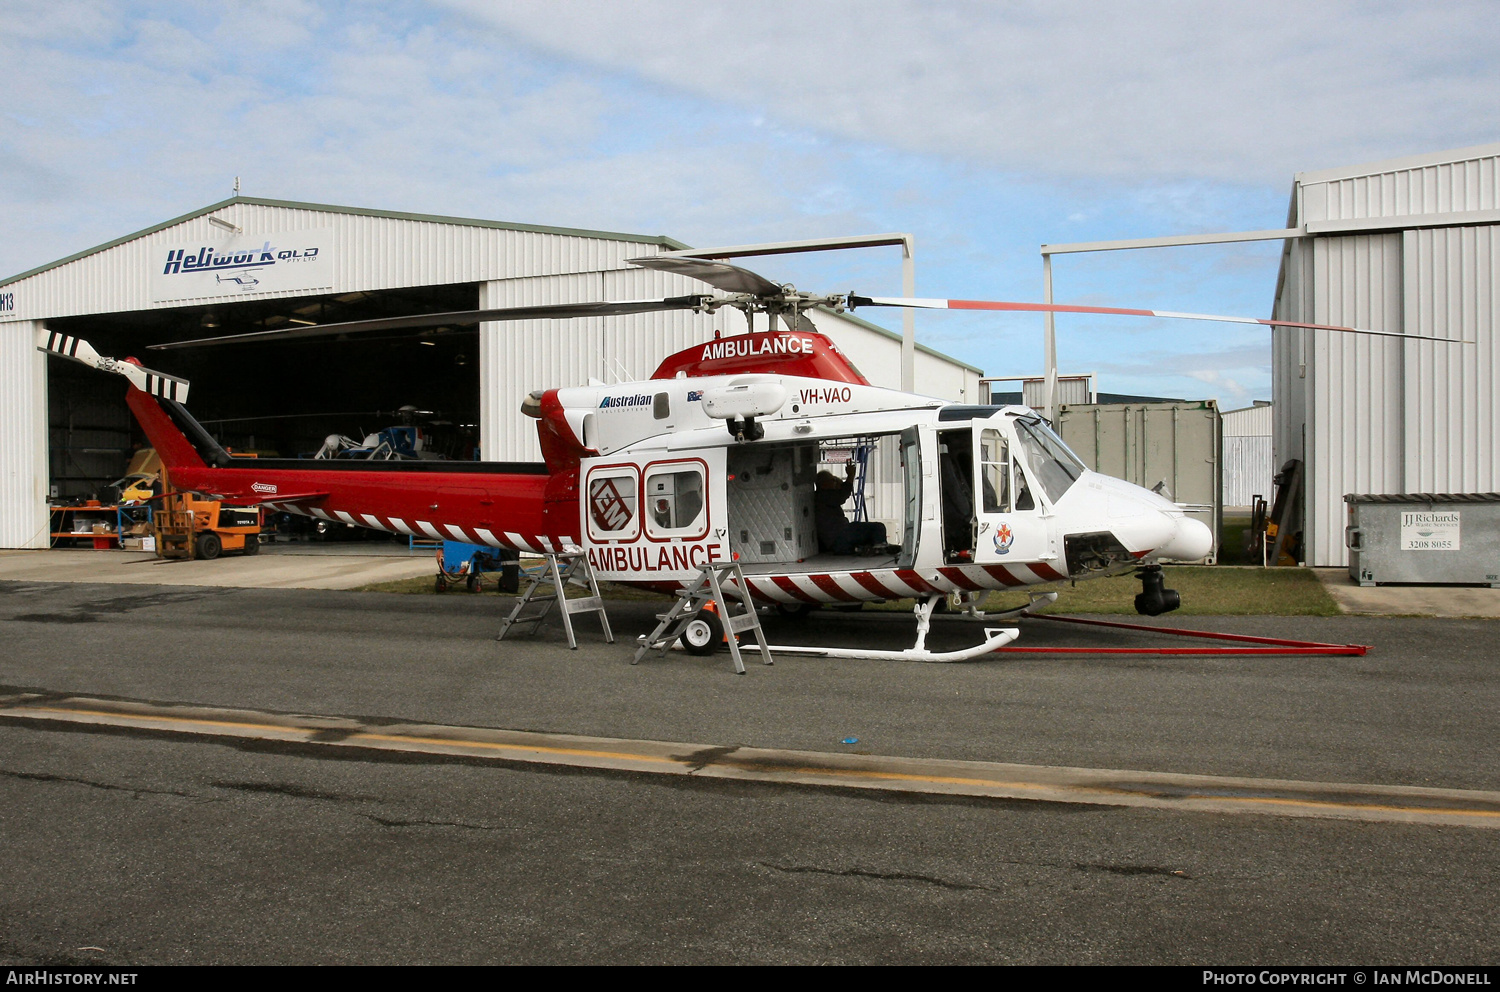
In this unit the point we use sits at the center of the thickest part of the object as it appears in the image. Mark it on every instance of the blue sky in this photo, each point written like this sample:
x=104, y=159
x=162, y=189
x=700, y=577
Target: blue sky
x=983, y=128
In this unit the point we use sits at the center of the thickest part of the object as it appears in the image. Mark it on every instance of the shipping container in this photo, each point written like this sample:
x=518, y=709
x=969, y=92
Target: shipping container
x=1172, y=448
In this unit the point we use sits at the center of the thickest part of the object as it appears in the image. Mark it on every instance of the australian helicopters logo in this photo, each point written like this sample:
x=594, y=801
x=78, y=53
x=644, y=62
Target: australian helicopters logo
x=618, y=402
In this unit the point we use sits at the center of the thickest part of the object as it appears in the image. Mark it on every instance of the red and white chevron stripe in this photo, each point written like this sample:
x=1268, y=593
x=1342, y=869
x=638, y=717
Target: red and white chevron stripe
x=891, y=583
x=425, y=529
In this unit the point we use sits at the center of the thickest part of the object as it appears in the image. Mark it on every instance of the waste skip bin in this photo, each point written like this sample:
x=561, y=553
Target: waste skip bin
x=1433, y=538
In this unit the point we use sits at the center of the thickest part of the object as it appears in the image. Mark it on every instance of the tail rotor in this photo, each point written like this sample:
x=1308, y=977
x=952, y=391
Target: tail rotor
x=159, y=384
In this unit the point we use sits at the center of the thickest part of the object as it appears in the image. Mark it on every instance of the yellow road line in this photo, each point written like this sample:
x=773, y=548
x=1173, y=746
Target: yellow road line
x=753, y=764
x=162, y=718
x=535, y=748
x=1107, y=790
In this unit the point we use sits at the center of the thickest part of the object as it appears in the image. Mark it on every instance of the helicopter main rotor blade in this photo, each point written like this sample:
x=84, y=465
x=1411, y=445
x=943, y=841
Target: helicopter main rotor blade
x=926, y=304
x=546, y=311
x=156, y=383
x=719, y=275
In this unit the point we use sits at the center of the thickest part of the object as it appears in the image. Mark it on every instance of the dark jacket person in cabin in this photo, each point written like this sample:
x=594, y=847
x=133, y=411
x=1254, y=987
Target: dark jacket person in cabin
x=837, y=535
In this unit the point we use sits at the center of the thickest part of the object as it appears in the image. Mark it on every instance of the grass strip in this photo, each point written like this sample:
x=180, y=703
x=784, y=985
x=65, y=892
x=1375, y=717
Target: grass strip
x=1207, y=590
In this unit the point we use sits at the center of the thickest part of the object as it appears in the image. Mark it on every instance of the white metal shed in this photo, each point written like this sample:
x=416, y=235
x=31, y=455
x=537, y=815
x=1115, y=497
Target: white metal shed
x=1249, y=463
x=365, y=251
x=1409, y=245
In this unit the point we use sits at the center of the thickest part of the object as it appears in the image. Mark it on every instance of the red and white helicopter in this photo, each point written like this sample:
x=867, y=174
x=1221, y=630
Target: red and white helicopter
x=716, y=457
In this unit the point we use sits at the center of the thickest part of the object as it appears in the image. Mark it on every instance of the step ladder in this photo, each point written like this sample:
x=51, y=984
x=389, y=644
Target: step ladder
x=548, y=587
x=708, y=588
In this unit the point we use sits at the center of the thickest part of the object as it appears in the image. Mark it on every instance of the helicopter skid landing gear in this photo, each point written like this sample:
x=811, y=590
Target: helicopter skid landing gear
x=994, y=638
x=970, y=606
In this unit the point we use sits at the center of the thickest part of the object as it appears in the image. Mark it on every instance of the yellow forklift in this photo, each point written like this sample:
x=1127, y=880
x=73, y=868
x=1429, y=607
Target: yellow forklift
x=188, y=525
x=1275, y=532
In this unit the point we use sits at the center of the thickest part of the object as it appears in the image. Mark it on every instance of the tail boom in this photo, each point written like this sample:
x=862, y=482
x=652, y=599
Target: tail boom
x=496, y=504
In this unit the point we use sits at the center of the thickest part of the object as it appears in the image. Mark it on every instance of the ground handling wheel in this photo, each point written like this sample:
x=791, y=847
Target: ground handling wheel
x=252, y=544
x=207, y=546
x=702, y=634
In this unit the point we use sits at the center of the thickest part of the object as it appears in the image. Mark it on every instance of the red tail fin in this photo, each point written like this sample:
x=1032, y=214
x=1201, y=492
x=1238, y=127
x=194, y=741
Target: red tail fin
x=171, y=445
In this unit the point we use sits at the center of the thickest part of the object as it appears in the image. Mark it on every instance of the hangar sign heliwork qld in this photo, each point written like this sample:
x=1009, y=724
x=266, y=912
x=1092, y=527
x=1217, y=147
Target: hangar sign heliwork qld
x=242, y=266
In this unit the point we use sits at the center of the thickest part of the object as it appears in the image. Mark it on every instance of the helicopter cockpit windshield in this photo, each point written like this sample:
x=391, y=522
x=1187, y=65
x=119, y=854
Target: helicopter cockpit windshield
x=1054, y=467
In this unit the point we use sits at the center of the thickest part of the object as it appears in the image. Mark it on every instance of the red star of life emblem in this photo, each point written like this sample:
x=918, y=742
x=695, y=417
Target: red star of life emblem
x=608, y=505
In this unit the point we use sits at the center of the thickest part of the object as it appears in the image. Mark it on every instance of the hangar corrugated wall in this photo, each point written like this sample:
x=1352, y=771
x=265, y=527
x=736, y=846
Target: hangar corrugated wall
x=1409, y=245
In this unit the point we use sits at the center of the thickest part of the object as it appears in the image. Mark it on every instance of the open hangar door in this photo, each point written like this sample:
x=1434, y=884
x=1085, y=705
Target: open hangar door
x=278, y=398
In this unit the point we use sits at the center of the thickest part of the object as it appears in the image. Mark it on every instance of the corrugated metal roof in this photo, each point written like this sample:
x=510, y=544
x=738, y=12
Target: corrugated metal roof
x=1455, y=187
x=661, y=239
x=1403, y=164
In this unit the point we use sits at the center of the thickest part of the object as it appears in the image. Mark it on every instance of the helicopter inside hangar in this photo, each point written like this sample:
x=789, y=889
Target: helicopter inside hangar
x=277, y=397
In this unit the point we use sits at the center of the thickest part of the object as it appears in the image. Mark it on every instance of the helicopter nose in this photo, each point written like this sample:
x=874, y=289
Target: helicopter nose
x=1192, y=540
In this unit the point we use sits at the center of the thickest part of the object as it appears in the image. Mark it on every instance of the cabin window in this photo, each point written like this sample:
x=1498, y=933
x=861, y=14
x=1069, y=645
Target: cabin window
x=661, y=406
x=994, y=472
x=675, y=506
x=613, y=512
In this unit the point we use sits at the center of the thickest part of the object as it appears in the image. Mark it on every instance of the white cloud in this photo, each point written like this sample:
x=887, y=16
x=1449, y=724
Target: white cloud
x=984, y=128
x=148, y=114
x=1236, y=374
x=1241, y=91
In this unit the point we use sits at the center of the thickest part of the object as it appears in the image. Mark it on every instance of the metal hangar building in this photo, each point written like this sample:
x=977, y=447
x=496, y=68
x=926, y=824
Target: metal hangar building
x=64, y=429
x=1410, y=245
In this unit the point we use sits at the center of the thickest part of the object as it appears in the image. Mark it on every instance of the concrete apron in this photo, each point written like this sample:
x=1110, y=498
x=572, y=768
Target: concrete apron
x=262, y=571
x=1408, y=600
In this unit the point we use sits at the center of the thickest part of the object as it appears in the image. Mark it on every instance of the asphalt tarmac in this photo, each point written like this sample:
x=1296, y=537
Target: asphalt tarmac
x=133, y=846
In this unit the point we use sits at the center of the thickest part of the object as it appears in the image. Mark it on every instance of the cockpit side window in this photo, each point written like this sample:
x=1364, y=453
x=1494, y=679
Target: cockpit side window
x=1052, y=465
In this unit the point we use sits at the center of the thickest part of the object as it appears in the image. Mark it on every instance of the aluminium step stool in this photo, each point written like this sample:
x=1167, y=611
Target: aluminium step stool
x=548, y=587
x=709, y=588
